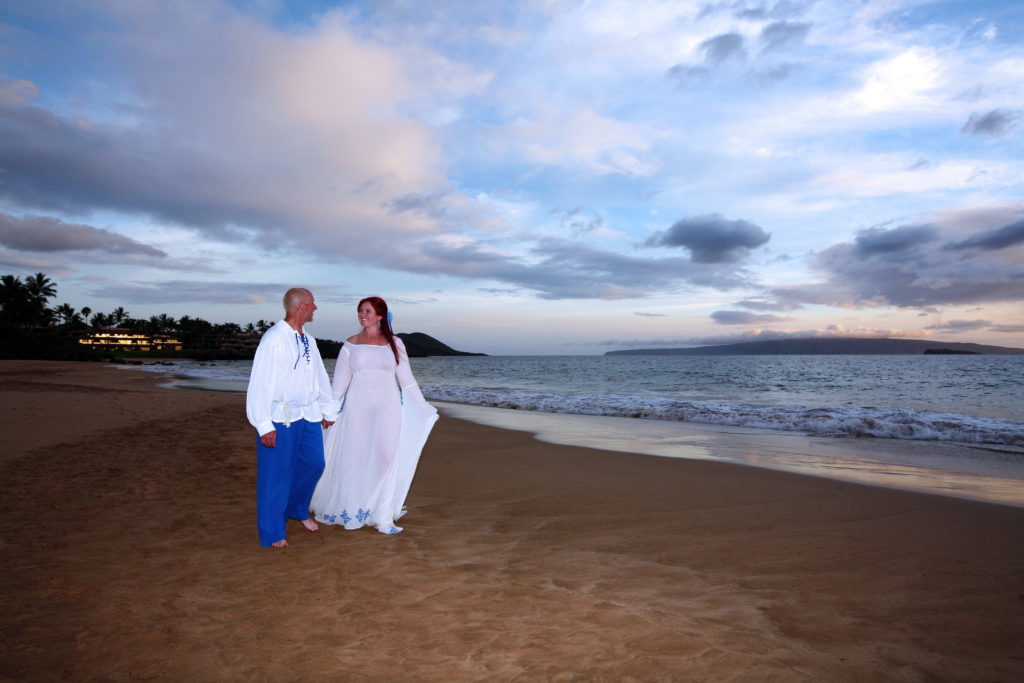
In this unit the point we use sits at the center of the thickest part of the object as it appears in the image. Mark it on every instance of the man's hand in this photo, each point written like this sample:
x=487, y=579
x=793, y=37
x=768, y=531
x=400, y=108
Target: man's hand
x=326, y=424
x=269, y=439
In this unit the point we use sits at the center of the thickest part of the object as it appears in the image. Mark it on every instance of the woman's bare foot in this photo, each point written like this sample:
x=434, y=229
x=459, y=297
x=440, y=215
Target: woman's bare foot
x=310, y=525
x=283, y=543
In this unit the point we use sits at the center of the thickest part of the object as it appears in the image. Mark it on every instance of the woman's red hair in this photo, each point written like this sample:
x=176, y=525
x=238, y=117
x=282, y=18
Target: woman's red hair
x=380, y=307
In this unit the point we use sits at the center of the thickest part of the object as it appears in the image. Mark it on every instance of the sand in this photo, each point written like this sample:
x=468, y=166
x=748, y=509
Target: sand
x=130, y=552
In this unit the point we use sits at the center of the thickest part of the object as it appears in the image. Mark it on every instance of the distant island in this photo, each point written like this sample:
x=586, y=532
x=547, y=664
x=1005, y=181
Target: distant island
x=419, y=345
x=829, y=346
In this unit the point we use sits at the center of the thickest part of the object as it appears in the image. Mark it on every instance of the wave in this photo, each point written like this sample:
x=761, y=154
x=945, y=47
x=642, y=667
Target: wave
x=836, y=421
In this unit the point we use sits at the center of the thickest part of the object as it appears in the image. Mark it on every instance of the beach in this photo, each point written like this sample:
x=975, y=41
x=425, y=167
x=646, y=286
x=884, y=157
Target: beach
x=130, y=552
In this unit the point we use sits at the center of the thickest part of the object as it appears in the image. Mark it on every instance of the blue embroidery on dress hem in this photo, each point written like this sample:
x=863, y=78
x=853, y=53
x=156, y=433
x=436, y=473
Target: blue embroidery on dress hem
x=362, y=514
x=344, y=517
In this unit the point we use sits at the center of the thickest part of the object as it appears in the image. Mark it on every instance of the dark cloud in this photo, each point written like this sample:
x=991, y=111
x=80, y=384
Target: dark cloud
x=960, y=325
x=431, y=205
x=777, y=73
x=882, y=241
x=767, y=305
x=1006, y=236
x=744, y=318
x=686, y=75
x=199, y=292
x=723, y=47
x=783, y=9
x=908, y=266
x=576, y=223
x=711, y=238
x=996, y=122
x=42, y=233
x=55, y=164
x=559, y=269
x=1008, y=327
x=782, y=33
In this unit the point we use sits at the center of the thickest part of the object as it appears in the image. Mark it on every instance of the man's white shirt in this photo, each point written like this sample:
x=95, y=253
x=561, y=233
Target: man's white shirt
x=287, y=383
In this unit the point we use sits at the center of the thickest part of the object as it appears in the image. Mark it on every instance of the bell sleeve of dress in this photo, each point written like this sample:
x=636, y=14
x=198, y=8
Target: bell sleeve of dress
x=418, y=418
x=342, y=378
x=411, y=394
x=259, y=396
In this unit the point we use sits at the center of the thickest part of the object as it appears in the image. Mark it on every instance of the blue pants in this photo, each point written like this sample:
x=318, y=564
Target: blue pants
x=286, y=477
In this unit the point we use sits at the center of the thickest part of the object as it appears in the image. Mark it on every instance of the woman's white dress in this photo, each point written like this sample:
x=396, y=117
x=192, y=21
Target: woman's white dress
x=372, y=451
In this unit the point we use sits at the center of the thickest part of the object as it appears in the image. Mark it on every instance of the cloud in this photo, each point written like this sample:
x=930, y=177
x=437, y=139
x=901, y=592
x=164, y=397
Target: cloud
x=431, y=205
x=877, y=241
x=1007, y=328
x=685, y=75
x=960, y=325
x=202, y=292
x=724, y=47
x=43, y=233
x=782, y=33
x=767, y=10
x=651, y=315
x=711, y=238
x=1006, y=236
x=583, y=138
x=744, y=318
x=578, y=224
x=250, y=134
x=776, y=73
x=908, y=266
x=558, y=269
x=767, y=305
x=996, y=122
x=829, y=332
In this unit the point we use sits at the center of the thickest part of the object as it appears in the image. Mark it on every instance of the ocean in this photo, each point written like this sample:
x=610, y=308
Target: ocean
x=962, y=413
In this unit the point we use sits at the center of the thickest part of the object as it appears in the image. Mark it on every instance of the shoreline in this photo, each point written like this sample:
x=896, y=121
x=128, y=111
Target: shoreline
x=972, y=471
x=131, y=552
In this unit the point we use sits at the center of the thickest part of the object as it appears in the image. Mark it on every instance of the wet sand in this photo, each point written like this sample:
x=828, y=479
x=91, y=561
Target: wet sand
x=130, y=552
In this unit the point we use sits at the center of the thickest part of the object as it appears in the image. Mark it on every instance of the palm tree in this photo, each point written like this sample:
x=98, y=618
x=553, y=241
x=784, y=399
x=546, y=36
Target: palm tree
x=118, y=316
x=41, y=287
x=67, y=315
x=14, y=299
x=100, y=320
x=40, y=290
x=163, y=323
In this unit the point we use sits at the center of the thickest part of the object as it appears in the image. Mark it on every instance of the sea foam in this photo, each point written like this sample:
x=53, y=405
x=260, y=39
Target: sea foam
x=821, y=420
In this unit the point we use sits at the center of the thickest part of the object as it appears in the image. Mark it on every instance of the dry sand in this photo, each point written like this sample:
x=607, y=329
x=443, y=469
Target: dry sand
x=130, y=552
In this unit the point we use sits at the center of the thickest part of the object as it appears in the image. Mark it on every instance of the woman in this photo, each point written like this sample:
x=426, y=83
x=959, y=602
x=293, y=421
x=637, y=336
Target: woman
x=372, y=450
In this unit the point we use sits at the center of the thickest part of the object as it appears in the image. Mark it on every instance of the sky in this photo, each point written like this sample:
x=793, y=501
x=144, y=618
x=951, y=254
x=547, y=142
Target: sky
x=533, y=177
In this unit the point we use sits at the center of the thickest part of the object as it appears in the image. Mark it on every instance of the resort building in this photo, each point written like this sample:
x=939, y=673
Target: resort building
x=118, y=339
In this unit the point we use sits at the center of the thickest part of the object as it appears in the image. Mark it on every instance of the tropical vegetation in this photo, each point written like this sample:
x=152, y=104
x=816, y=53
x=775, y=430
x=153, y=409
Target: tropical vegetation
x=32, y=328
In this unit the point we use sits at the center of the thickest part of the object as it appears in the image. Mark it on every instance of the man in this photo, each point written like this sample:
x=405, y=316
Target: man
x=288, y=398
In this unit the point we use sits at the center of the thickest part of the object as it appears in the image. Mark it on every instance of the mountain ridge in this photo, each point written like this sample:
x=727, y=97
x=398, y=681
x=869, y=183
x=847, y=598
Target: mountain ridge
x=826, y=346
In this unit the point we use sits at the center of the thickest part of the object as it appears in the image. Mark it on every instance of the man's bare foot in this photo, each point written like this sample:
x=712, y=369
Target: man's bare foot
x=283, y=543
x=310, y=525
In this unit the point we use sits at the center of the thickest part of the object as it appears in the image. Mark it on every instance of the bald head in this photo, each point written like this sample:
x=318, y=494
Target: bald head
x=294, y=297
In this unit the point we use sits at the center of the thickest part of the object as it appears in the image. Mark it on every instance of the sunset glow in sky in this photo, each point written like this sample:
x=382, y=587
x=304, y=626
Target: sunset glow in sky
x=540, y=177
